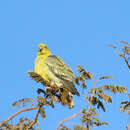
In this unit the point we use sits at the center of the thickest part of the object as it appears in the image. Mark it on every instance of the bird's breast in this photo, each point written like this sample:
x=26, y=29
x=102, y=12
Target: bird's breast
x=41, y=68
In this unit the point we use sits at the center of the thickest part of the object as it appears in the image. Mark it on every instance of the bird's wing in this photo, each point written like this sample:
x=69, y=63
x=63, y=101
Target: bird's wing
x=60, y=69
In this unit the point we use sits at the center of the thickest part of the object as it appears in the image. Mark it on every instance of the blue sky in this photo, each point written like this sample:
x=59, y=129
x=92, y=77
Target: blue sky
x=78, y=31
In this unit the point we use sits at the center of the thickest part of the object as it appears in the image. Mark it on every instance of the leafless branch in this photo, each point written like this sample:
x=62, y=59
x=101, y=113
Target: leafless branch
x=126, y=61
x=124, y=57
x=69, y=118
x=35, y=120
x=22, y=110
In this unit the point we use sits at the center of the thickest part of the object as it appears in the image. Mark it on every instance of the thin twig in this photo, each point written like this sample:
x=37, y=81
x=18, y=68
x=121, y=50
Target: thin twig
x=22, y=110
x=124, y=57
x=93, y=94
x=91, y=98
x=35, y=120
x=126, y=61
x=76, y=114
x=69, y=118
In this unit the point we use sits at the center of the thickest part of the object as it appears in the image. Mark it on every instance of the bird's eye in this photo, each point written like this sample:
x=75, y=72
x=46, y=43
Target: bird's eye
x=40, y=48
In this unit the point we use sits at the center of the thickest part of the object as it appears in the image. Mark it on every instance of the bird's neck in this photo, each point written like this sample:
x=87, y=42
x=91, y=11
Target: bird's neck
x=43, y=55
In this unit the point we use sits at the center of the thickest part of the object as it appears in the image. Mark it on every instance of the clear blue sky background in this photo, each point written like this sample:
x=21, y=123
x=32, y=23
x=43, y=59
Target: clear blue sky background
x=79, y=31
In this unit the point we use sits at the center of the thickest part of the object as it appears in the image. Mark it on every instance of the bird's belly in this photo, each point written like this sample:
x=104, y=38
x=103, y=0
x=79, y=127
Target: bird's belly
x=42, y=70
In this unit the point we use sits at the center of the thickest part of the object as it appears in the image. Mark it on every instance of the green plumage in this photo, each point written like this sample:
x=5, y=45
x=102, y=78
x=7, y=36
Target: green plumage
x=60, y=73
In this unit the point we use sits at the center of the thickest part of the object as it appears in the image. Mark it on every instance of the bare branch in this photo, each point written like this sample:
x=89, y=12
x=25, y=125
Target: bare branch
x=22, y=110
x=126, y=61
x=69, y=118
x=35, y=120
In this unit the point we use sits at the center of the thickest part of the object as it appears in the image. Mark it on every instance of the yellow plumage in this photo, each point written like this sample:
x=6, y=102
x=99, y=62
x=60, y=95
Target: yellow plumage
x=40, y=66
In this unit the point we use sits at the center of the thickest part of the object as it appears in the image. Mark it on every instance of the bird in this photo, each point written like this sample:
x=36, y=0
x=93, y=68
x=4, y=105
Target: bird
x=54, y=70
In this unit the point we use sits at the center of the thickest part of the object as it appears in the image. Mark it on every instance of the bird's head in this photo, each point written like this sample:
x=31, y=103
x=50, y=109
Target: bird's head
x=43, y=49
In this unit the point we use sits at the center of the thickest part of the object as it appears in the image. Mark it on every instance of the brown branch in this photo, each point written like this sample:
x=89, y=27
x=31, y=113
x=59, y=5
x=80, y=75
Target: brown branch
x=76, y=114
x=126, y=61
x=123, y=56
x=22, y=110
x=91, y=98
x=69, y=118
x=35, y=120
x=93, y=94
